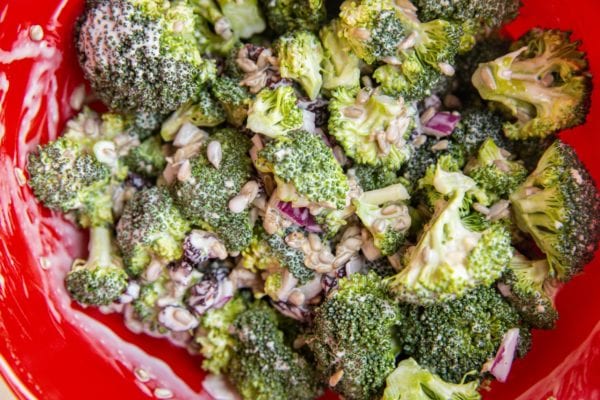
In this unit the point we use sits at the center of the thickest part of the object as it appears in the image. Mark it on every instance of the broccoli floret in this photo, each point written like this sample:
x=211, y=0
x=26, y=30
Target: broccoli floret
x=300, y=55
x=558, y=205
x=305, y=166
x=457, y=337
x=274, y=112
x=63, y=175
x=385, y=215
x=234, y=99
x=543, y=84
x=341, y=67
x=244, y=16
x=147, y=159
x=494, y=172
x=290, y=258
x=140, y=56
x=204, y=198
x=100, y=279
x=205, y=111
x=352, y=341
x=264, y=366
x=454, y=253
x=371, y=127
x=381, y=266
x=288, y=15
x=526, y=286
x=479, y=13
x=214, y=337
x=411, y=381
x=145, y=306
x=151, y=228
x=372, y=178
x=416, y=54
x=145, y=124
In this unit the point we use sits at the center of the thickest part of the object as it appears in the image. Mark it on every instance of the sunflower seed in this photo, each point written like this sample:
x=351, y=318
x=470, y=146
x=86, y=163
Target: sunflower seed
x=361, y=33
x=336, y=378
x=250, y=191
x=296, y=297
x=352, y=112
x=214, y=153
x=488, y=78
x=185, y=171
x=162, y=393
x=238, y=204
x=20, y=176
x=389, y=210
x=141, y=375
x=441, y=145
x=446, y=69
x=36, y=33
x=315, y=242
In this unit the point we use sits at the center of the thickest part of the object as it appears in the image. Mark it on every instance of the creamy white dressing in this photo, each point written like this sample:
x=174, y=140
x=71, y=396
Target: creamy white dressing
x=41, y=99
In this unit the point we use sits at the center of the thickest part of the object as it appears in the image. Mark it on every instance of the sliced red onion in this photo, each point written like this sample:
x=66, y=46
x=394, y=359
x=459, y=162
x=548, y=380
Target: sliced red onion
x=219, y=388
x=300, y=216
x=441, y=124
x=209, y=294
x=501, y=364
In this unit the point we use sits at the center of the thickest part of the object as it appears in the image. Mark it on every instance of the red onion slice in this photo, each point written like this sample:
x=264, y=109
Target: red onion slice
x=300, y=216
x=441, y=124
x=501, y=364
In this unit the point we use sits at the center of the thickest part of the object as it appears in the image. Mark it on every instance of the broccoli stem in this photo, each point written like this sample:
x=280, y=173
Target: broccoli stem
x=385, y=195
x=100, y=248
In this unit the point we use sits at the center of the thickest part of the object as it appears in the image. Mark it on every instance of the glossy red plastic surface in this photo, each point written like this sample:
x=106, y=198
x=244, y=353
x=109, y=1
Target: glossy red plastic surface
x=45, y=351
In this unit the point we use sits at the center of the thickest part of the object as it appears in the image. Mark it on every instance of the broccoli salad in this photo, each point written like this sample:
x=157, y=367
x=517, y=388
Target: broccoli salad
x=368, y=197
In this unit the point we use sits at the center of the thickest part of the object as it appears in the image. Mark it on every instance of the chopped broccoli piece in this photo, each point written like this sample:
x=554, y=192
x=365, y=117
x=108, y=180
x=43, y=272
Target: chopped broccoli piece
x=288, y=15
x=63, y=175
x=372, y=178
x=494, y=172
x=147, y=159
x=341, y=67
x=385, y=215
x=559, y=206
x=456, y=337
x=264, y=366
x=204, y=198
x=290, y=258
x=274, y=112
x=353, y=333
x=543, y=83
x=305, y=166
x=151, y=227
x=300, y=55
x=244, y=16
x=100, y=279
x=214, y=337
x=480, y=13
x=452, y=255
x=205, y=111
x=234, y=99
x=140, y=56
x=371, y=127
x=411, y=381
x=526, y=286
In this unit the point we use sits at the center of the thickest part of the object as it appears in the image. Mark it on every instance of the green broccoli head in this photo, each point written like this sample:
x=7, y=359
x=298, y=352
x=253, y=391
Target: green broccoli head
x=217, y=345
x=352, y=339
x=374, y=29
x=386, y=217
x=142, y=56
x=341, y=67
x=64, y=176
x=453, y=254
x=543, y=84
x=204, y=197
x=558, y=205
x=305, y=166
x=264, y=366
x=151, y=227
x=245, y=17
x=100, y=279
x=300, y=55
x=494, y=172
x=233, y=97
x=411, y=381
x=526, y=286
x=482, y=13
x=204, y=111
x=290, y=258
x=288, y=15
x=145, y=307
x=371, y=127
x=372, y=178
x=457, y=337
x=147, y=159
x=274, y=112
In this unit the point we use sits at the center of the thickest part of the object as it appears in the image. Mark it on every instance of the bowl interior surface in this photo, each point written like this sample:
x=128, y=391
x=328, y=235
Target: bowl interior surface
x=53, y=349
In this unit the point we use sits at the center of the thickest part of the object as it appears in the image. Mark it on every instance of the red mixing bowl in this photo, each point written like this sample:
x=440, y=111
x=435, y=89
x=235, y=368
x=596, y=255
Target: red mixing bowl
x=53, y=349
